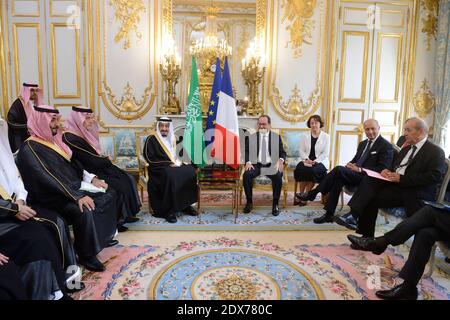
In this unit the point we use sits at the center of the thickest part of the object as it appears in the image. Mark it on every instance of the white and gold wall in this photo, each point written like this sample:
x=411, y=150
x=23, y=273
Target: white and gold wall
x=346, y=60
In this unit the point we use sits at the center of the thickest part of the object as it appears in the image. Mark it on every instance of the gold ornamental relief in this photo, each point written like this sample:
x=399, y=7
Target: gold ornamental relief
x=424, y=100
x=300, y=27
x=128, y=107
x=295, y=109
x=128, y=13
x=430, y=22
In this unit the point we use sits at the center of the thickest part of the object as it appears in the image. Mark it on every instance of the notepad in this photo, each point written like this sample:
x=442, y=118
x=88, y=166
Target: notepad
x=375, y=174
x=89, y=187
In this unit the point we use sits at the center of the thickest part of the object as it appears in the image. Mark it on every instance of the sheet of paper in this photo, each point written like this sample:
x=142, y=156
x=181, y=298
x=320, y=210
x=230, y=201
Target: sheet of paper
x=375, y=175
x=89, y=187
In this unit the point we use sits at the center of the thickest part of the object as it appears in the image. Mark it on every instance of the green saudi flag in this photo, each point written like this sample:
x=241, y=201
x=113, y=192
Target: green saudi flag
x=193, y=141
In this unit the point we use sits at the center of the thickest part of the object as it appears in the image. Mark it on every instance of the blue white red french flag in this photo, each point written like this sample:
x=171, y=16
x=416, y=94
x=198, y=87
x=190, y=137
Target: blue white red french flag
x=226, y=142
x=214, y=103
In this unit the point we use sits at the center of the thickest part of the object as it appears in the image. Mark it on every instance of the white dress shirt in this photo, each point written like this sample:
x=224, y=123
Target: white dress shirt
x=401, y=170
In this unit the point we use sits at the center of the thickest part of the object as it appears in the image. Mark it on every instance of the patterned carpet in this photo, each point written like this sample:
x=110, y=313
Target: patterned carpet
x=232, y=268
x=261, y=219
x=219, y=218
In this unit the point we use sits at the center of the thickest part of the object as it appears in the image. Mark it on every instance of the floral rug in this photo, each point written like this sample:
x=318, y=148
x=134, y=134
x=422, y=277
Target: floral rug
x=219, y=218
x=226, y=269
x=261, y=219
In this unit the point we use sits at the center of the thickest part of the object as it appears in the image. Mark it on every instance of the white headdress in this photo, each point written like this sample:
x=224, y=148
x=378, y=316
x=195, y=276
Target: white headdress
x=10, y=180
x=169, y=141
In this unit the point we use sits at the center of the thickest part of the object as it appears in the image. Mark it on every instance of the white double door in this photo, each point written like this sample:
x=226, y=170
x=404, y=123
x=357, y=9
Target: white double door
x=45, y=44
x=372, y=50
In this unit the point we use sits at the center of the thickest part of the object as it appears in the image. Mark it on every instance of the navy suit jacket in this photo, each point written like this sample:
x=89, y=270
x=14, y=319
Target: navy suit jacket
x=380, y=157
x=426, y=171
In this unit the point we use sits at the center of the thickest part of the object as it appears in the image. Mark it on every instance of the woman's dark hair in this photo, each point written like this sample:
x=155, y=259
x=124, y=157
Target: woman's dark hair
x=316, y=118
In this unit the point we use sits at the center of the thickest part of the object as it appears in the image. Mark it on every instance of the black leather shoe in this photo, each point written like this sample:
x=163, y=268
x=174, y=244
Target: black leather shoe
x=122, y=228
x=366, y=244
x=112, y=243
x=275, y=210
x=347, y=221
x=92, y=264
x=76, y=287
x=307, y=196
x=354, y=247
x=248, y=208
x=326, y=218
x=171, y=218
x=190, y=211
x=400, y=292
x=131, y=219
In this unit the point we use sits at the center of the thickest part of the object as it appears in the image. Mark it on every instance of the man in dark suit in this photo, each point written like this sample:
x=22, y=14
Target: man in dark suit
x=417, y=172
x=374, y=153
x=427, y=225
x=264, y=154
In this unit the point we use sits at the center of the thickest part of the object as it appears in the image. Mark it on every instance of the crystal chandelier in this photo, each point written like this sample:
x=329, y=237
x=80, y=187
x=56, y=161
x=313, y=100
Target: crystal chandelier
x=210, y=46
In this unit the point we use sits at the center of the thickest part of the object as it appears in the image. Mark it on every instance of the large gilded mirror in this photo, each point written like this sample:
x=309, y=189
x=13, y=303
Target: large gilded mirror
x=234, y=21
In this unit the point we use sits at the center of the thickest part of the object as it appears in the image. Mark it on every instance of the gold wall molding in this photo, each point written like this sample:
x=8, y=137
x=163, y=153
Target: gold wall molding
x=193, y=6
x=295, y=109
x=261, y=16
x=3, y=65
x=128, y=13
x=430, y=21
x=56, y=93
x=299, y=14
x=37, y=27
x=424, y=100
x=128, y=107
x=366, y=38
x=399, y=38
x=72, y=14
x=167, y=17
x=358, y=132
x=296, y=104
x=26, y=15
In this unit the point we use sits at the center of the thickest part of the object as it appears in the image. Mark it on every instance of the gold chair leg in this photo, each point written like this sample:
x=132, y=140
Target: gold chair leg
x=199, y=209
x=295, y=190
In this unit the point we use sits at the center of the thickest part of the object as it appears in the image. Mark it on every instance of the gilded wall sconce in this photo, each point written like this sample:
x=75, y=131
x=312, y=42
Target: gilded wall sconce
x=170, y=68
x=253, y=69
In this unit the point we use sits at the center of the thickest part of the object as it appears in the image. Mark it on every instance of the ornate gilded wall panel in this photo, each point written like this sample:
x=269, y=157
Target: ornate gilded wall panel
x=297, y=61
x=128, y=13
x=430, y=10
x=424, y=100
x=300, y=25
x=127, y=78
